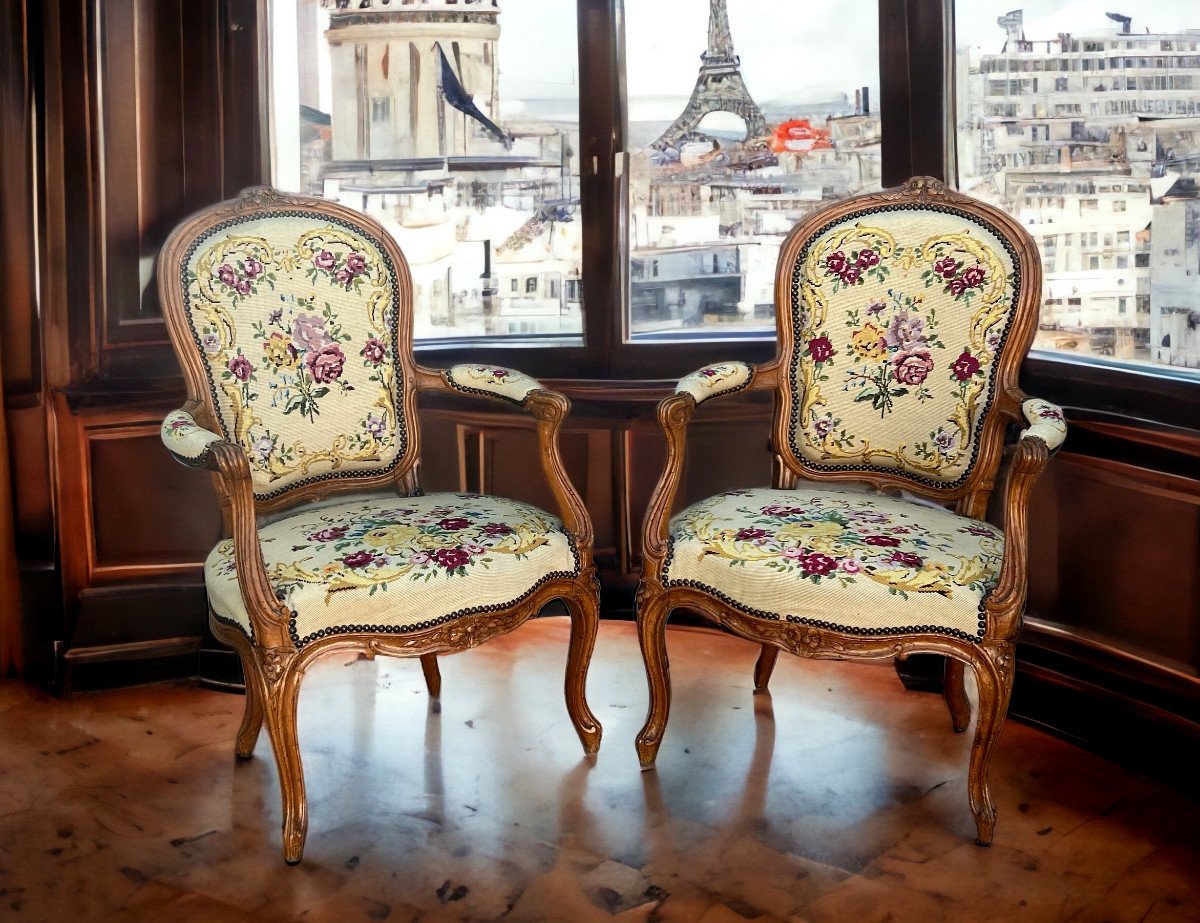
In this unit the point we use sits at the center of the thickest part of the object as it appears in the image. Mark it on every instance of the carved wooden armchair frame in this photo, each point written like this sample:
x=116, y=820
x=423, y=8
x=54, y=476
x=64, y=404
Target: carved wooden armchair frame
x=1007, y=458
x=273, y=657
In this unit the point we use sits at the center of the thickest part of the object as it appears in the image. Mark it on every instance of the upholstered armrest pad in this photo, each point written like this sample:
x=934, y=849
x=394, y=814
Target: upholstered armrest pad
x=184, y=439
x=1045, y=421
x=491, y=380
x=713, y=380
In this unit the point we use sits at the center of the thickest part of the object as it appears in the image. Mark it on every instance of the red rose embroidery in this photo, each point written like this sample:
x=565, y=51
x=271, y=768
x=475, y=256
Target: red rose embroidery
x=816, y=563
x=946, y=267
x=374, y=351
x=836, y=262
x=356, y=264
x=358, y=559
x=957, y=287
x=453, y=525
x=332, y=534
x=451, y=558
x=497, y=528
x=240, y=367
x=324, y=260
x=883, y=541
x=851, y=274
x=748, y=535
x=907, y=558
x=820, y=349
x=974, y=276
x=226, y=274
x=965, y=366
x=868, y=258
x=253, y=268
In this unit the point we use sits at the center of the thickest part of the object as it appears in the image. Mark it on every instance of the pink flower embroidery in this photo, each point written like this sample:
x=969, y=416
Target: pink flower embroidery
x=240, y=367
x=374, y=351
x=325, y=364
x=820, y=349
x=974, y=276
x=912, y=367
x=308, y=332
x=325, y=260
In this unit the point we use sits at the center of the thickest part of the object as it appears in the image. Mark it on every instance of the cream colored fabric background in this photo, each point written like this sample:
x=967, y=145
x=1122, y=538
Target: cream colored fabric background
x=352, y=430
x=834, y=430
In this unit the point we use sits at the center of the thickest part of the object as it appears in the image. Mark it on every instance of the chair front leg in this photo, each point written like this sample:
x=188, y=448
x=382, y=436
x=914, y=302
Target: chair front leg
x=765, y=667
x=584, y=607
x=955, y=690
x=993, y=668
x=279, y=686
x=252, y=718
x=652, y=615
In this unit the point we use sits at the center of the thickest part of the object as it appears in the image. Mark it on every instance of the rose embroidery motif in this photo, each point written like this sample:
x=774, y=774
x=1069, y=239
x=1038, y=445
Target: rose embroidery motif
x=342, y=269
x=820, y=349
x=912, y=367
x=965, y=366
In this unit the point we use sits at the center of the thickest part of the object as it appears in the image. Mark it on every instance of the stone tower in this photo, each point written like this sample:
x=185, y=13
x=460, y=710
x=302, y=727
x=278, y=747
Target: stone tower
x=386, y=66
x=719, y=86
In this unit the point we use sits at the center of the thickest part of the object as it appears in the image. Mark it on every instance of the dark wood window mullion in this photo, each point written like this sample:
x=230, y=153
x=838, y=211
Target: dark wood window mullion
x=913, y=87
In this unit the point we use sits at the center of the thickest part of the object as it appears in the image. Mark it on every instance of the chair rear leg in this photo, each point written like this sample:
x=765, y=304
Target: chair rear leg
x=280, y=698
x=993, y=673
x=433, y=676
x=765, y=667
x=651, y=620
x=955, y=690
x=252, y=717
x=585, y=622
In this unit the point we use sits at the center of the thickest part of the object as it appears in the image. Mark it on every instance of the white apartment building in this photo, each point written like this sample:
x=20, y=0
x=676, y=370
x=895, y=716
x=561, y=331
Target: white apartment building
x=1074, y=135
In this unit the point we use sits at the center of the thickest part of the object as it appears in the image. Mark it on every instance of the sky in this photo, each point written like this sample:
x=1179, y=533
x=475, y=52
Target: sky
x=975, y=20
x=786, y=54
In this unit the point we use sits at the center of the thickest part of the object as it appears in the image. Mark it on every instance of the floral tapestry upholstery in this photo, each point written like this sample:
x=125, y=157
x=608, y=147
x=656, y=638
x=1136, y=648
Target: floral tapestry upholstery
x=184, y=439
x=841, y=558
x=899, y=316
x=493, y=380
x=421, y=560
x=719, y=378
x=1045, y=421
x=294, y=317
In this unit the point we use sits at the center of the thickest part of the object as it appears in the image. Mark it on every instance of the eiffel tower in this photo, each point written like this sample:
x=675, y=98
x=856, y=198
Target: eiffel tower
x=719, y=87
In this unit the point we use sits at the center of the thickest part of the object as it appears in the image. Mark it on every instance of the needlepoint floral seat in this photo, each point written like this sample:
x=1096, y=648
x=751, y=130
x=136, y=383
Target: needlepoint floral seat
x=902, y=321
x=396, y=566
x=292, y=319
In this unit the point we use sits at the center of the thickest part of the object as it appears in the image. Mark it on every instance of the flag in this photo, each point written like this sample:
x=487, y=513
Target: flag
x=458, y=97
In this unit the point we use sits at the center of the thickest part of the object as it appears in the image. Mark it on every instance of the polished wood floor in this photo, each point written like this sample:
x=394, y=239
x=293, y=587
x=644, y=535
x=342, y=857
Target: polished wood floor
x=839, y=797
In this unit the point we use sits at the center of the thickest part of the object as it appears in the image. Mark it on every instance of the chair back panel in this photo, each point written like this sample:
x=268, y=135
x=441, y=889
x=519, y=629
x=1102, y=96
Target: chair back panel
x=903, y=319
x=292, y=317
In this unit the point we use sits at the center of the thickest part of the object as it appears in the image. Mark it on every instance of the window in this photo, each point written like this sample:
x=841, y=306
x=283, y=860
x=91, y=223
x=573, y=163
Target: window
x=434, y=118
x=725, y=157
x=1145, y=172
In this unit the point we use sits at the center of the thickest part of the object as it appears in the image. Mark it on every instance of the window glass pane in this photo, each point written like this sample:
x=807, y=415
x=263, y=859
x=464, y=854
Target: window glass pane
x=741, y=122
x=433, y=117
x=1086, y=127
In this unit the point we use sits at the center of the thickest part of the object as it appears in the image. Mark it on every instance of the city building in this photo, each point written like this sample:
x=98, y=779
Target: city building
x=1080, y=136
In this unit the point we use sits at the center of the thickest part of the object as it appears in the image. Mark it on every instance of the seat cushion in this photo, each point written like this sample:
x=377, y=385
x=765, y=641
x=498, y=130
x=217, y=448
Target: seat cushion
x=851, y=560
x=397, y=564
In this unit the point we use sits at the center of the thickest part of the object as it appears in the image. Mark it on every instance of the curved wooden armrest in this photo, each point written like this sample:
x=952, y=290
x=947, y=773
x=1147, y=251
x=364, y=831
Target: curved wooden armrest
x=268, y=614
x=1025, y=461
x=549, y=408
x=188, y=442
x=674, y=413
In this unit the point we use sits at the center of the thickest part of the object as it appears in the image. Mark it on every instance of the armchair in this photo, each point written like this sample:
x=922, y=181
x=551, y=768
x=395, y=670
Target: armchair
x=291, y=317
x=903, y=318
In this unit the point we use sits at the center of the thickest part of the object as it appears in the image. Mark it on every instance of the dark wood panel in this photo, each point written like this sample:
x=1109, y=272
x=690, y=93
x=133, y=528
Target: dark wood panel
x=1127, y=542
x=149, y=512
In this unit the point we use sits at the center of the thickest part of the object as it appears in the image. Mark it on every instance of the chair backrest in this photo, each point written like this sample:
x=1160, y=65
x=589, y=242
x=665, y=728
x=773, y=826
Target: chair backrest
x=903, y=317
x=292, y=319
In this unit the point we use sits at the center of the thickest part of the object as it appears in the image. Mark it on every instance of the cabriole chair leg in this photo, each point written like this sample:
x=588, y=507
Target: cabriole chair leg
x=585, y=622
x=993, y=676
x=281, y=700
x=252, y=717
x=651, y=621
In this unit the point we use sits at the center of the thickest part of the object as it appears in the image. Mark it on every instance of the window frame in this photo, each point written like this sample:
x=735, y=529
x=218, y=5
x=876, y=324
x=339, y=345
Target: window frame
x=919, y=137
